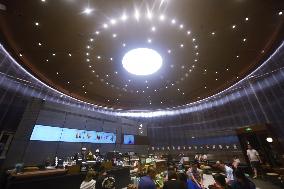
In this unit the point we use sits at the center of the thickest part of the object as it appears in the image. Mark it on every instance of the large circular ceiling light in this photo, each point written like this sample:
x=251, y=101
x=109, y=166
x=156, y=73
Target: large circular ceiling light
x=142, y=61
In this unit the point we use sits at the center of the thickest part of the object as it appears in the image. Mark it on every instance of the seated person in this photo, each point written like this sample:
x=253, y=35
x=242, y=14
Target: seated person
x=89, y=182
x=173, y=182
x=227, y=170
x=220, y=182
x=242, y=182
x=195, y=175
x=147, y=182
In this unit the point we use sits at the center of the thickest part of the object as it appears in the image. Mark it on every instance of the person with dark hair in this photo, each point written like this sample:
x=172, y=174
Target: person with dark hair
x=242, y=182
x=102, y=175
x=89, y=182
x=195, y=175
x=227, y=170
x=147, y=182
x=173, y=182
x=220, y=182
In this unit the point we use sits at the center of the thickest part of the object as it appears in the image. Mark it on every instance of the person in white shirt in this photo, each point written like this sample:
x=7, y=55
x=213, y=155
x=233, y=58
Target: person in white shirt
x=254, y=159
x=227, y=170
x=89, y=182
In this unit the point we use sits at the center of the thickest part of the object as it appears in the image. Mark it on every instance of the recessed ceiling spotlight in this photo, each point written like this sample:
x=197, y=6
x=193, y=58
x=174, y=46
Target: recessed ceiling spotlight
x=36, y=23
x=216, y=79
x=113, y=21
x=68, y=82
x=262, y=51
x=169, y=51
x=205, y=70
x=88, y=60
x=238, y=56
x=149, y=40
x=227, y=69
x=195, y=60
x=162, y=17
x=149, y=15
x=91, y=39
x=234, y=26
x=197, y=53
x=97, y=32
x=123, y=44
x=181, y=45
x=216, y=72
x=153, y=28
x=99, y=57
x=124, y=17
x=53, y=54
x=69, y=54
x=111, y=59
x=213, y=33
x=182, y=93
x=193, y=39
x=87, y=10
x=20, y=55
x=105, y=25
x=280, y=13
x=39, y=44
x=196, y=46
x=244, y=39
x=173, y=21
x=181, y=26
x=205, y=87
x=193, y=66
x=137, y=15
x=90, y=66
x=246, y=18
x=114, y=35
x=93, y=71
x=42, y=0
x=87, y=54
x=88, y=47
x=57, y=73
x=116, y=72
x=188, y=32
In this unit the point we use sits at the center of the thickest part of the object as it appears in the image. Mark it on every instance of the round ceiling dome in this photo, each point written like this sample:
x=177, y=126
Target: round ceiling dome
x=142, y=61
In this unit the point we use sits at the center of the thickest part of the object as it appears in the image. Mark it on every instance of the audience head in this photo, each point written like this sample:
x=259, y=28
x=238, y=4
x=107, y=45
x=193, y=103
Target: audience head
x=182, y=177
x=151, y=172
x=240, y=175
x=172, y=175
x=90, y=175
x=220, y=180
x=249, y=146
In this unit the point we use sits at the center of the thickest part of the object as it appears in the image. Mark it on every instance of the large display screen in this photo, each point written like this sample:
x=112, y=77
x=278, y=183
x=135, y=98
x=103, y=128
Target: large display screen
x=128, y=139
x=48, y=133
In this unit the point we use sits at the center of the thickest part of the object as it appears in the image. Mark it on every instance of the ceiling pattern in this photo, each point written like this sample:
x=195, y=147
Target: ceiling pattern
x=77, y=46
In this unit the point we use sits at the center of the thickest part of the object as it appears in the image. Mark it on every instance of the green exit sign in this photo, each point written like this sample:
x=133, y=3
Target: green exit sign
x=248, y=129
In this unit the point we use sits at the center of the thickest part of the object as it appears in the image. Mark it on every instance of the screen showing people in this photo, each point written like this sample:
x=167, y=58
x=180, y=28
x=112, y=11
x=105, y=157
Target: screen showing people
x=128, y=139
x=48, y=133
